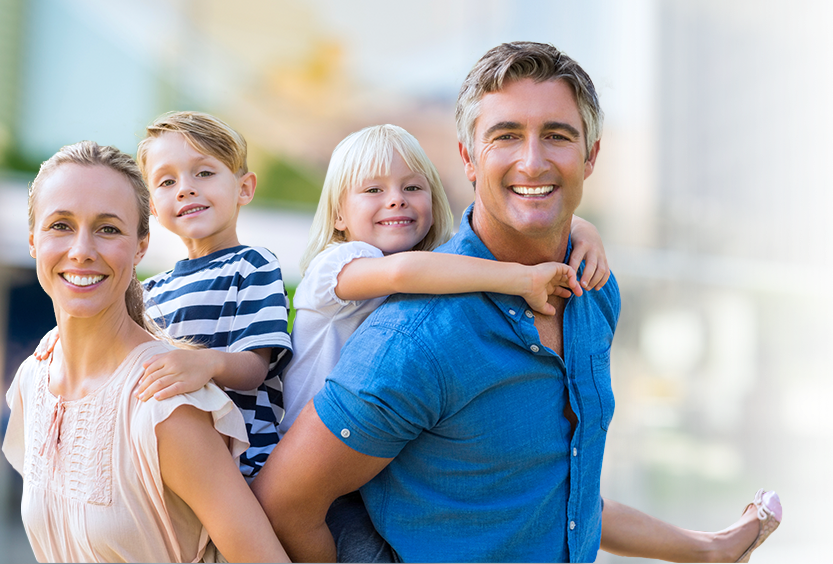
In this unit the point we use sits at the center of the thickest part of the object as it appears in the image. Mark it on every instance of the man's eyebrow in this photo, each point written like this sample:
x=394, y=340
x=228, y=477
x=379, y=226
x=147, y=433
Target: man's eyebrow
x=501, y=126
x=559, y=125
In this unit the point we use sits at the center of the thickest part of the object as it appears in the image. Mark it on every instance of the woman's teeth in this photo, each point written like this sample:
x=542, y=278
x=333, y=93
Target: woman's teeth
x=83, y=280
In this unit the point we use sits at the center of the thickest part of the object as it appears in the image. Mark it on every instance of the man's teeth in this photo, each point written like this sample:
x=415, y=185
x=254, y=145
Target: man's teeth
x=193, y=210
x=83, y=280
x=532, y=190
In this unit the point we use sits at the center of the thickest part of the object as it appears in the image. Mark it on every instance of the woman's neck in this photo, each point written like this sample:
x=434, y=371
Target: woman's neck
x=91, y=350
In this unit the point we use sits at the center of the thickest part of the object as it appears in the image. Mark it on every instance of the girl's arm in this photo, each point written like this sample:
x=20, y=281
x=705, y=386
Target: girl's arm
x=587, y=247
x=421, y=272
x=196, y=466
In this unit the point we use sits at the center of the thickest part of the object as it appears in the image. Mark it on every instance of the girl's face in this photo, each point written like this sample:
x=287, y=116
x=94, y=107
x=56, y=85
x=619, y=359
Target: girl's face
x=392, y=213
x=85, y=239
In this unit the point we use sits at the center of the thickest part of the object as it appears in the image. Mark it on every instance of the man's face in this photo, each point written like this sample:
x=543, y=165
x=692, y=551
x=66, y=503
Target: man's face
x=528, y=161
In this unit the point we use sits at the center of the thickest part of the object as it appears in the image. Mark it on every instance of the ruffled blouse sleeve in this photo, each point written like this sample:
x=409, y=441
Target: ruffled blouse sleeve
x=14, y=443
x=322, y=275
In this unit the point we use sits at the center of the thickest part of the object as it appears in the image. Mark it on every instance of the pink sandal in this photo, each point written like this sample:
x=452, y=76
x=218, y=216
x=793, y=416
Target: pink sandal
x=769, y=517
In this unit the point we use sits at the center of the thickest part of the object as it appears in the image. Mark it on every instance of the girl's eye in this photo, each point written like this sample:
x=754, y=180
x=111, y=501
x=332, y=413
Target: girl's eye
x=412, y=188
x=205, y=173
x=373, y=190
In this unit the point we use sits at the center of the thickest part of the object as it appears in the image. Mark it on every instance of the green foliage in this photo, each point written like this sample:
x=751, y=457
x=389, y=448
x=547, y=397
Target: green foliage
x=13, y=159
x=282, y=182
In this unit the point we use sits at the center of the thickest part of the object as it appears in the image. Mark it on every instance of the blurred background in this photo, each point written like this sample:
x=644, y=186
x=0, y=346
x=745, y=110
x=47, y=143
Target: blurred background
x=711, y=192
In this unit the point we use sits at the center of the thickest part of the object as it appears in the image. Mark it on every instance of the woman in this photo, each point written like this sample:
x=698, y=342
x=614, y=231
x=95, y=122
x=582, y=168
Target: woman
x=107, y=477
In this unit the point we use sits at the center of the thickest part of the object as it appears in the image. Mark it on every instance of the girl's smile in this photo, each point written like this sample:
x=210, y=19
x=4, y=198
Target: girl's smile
x=392, y=213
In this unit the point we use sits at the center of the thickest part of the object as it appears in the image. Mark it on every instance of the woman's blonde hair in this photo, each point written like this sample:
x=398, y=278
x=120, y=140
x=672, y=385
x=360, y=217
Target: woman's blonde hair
x=368, y=154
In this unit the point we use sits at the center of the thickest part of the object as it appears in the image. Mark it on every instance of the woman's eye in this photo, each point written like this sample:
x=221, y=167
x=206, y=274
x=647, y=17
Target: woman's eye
x=110, y=230
x=59, y=226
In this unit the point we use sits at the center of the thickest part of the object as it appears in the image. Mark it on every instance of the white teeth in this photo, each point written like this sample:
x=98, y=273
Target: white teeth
x=532, y=190
x=405, y=222
x=83, y=280
x=193, y=210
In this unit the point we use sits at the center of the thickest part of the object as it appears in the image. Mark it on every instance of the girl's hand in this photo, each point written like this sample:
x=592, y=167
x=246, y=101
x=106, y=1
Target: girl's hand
x=175, y=372
x=46, y=345
x=547, y=279
x=588, y=247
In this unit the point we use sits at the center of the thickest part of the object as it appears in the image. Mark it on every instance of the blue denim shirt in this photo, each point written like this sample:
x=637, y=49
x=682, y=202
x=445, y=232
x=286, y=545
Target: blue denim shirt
x=461, y=391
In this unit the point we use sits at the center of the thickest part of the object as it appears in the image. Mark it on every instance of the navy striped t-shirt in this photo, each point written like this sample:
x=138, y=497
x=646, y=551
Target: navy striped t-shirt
x=232, y=300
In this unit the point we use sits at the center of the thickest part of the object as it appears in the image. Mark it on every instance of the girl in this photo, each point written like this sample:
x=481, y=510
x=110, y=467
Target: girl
x=106, y=476
x=382, y=196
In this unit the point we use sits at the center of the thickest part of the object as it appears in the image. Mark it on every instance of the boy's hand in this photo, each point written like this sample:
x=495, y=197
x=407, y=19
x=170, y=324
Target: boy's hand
x=587, y=246
x=550, y=278
x=175, y=372
x=46, y=345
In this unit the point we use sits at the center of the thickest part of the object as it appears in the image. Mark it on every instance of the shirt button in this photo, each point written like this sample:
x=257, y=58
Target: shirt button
x=572, y=525
x=511, y=312
x=345, y=433
x=534, y=348
x=529, y=313
x=575, y=452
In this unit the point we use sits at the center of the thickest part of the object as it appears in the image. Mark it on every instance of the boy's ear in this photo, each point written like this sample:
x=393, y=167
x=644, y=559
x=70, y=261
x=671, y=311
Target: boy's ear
x=153, y=208
x=248, y=184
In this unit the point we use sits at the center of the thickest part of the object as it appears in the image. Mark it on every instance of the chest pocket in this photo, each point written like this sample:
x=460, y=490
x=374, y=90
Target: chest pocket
x=600, y=365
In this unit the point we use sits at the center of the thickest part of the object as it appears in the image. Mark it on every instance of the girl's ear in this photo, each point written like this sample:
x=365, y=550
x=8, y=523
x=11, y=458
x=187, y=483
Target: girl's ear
x=340, y=224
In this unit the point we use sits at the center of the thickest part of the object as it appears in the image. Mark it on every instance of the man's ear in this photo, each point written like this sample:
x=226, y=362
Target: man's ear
x=32, y=244
x=590, y=163
x=468, y=163
x=248, y=184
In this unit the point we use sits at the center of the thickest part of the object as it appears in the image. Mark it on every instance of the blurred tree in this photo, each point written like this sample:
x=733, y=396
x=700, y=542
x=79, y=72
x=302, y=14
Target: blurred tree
x=280, y=182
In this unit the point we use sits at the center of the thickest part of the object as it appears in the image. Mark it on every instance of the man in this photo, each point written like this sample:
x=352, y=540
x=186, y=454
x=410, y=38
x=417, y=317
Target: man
x=475, y=427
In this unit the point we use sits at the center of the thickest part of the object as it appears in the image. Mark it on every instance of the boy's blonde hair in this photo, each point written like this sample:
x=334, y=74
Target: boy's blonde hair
x=368, y=154
x=205, y=133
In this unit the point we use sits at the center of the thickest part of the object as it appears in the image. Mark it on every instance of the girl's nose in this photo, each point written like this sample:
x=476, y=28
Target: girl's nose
x=397, y=199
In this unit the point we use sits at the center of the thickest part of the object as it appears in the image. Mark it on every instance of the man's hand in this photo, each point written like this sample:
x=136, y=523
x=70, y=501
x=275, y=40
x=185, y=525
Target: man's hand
x=176, y=372
x=547, y=279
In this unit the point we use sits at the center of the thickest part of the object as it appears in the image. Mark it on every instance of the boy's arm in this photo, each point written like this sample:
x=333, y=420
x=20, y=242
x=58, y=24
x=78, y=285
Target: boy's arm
x=587, y=246
x=420, y=272
x=182, y=371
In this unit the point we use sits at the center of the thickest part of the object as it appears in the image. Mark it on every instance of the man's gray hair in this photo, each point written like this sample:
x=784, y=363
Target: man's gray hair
x=524, y=59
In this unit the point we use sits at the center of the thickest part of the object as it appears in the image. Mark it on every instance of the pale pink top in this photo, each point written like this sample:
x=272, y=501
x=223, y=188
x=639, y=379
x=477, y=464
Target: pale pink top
x=93, y=489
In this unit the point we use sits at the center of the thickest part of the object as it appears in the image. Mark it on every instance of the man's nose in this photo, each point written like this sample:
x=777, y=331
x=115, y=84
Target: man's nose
x=533, y=161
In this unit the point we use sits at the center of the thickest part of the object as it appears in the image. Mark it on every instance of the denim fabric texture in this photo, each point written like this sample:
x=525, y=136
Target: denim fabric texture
x=461, y=391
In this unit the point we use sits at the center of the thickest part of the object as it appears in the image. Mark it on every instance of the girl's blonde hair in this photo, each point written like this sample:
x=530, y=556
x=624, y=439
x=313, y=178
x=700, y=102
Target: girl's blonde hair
x=368, y=154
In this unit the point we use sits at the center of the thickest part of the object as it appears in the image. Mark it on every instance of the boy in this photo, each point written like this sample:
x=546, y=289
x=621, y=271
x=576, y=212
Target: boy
x=226, y=296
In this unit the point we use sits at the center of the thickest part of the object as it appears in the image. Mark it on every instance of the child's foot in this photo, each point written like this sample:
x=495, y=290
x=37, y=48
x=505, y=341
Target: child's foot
x=759, y=520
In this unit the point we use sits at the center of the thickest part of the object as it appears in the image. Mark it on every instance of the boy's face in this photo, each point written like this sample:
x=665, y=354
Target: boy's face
x=195, y=195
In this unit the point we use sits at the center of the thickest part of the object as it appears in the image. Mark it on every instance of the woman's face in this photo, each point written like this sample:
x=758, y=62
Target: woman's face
x=85, y=239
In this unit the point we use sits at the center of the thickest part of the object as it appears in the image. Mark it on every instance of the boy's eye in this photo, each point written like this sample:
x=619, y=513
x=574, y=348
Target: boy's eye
x=166, y=183
x=205, y=173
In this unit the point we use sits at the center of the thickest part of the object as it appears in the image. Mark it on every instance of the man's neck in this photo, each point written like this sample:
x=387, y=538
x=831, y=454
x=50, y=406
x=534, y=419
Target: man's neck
x=513, y=246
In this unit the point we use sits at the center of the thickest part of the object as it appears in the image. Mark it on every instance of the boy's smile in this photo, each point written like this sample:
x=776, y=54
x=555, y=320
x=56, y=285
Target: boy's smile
x=195, y=195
